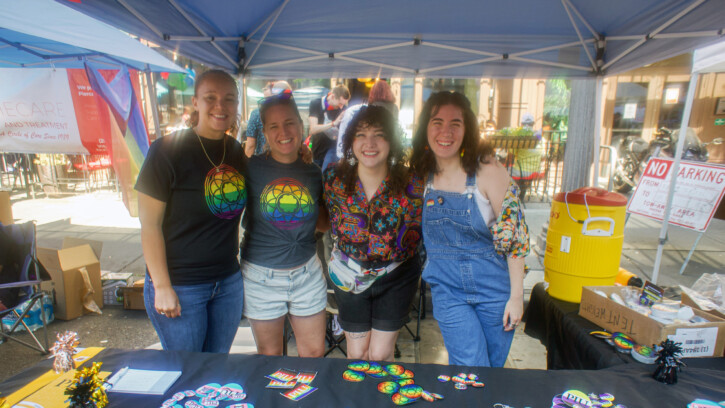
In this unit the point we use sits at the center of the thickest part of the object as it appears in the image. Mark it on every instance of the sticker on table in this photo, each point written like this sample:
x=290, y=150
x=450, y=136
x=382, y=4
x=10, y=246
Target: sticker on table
x=427, y=396
x=231, y=392
x=395, y=369
x=207, y=389
x=306, y=377
x=478, y=384
x=243, y=405
x=360, y=365
x=281, y=384
x=405, y=381
x=400, y=399
x=299, y=392
x=411, y=391
x=576, y=397
x=444, y=378
x=381, y=374
x=388, y=387
x=209, y=402
x=461, y=386
x=375, y=368
x=353, y=376
x=283, y=374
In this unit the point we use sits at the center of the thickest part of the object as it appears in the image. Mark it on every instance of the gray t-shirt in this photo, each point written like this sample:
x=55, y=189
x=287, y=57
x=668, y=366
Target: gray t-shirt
x=282, y=208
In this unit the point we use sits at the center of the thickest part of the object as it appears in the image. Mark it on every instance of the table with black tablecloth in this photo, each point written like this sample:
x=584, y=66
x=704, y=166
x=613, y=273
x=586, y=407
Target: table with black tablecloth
x=631, y=385
x=569, y=345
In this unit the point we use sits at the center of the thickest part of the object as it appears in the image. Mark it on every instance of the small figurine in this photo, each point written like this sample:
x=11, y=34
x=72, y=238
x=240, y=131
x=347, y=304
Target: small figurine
x=668, y=362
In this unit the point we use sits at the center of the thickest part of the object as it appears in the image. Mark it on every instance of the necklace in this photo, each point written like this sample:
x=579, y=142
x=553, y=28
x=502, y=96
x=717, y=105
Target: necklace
x=224, y=155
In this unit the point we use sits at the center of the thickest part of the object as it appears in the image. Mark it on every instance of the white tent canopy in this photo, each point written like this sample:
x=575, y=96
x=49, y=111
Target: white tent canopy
x=705, y=60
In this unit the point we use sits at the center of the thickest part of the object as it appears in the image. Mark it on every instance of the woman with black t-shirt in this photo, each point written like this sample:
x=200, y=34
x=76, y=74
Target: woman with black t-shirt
x=191, y=196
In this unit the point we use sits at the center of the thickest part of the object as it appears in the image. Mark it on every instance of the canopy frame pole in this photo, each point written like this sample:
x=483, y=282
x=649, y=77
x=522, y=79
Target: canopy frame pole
x=269, y=17
x=460, y=64
x=200, y=30
x=375, y=64
x=460, y=49
x=597, y=129
x=578, y=33
x=151, y=85
x=242, y=78
x=290, y=48
x=581, y=18
x=292, y=61
x=673, y=173
x=141, y=18
x=201, y=38
x=261, y=40
x=378, y=48
x=651, y=35
x=712, y=33
x=692, y=251
x=553, y=47
x=553, y=64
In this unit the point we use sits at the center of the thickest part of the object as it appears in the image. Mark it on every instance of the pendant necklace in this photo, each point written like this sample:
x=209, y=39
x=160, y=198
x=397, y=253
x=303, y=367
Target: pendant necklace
x=224, y=155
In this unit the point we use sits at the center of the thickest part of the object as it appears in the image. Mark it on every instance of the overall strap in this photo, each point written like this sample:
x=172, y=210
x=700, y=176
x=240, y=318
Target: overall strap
x=470, y=183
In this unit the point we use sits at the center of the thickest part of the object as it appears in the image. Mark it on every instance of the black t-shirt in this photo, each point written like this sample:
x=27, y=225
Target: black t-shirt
x=321, y=142
x=203, y=203
x=281, y=217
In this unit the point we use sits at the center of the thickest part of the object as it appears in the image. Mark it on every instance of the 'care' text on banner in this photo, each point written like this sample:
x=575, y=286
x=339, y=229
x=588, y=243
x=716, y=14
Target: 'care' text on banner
x=698, y=192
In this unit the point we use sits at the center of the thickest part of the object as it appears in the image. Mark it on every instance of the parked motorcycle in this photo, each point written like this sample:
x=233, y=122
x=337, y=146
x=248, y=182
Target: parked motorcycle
x=634, y=152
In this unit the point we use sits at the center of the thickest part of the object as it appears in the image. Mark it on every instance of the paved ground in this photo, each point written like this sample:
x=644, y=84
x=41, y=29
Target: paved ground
x=101, y=216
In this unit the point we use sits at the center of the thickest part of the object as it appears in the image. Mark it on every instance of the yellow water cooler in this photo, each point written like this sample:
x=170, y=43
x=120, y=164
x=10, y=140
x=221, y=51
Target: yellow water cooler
x=584, y=241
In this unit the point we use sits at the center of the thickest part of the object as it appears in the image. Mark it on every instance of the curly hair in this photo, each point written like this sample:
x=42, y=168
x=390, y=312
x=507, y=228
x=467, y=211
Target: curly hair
x=214, y=73
x=373, y=116
x=473, y=148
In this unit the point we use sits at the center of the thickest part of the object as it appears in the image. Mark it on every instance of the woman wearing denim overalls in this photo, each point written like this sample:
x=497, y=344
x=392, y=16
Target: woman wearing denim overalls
x=474, y=234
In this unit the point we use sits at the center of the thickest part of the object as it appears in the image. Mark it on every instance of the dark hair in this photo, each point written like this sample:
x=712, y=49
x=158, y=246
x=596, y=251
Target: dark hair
x=283, y=99
x=341, y=91
x=472, y=147
x=381, y=92
x=369, y=116
x=200, y=79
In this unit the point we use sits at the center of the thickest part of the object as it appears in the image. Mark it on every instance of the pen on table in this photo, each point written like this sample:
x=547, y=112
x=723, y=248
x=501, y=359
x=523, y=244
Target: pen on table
x=115, y=378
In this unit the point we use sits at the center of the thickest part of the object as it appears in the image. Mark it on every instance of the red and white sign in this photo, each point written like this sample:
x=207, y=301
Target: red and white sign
x=45, y=110
x=699, y=189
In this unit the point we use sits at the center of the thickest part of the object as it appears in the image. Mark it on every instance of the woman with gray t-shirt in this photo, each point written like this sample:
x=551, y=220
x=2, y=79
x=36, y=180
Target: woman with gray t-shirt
x=282, y=273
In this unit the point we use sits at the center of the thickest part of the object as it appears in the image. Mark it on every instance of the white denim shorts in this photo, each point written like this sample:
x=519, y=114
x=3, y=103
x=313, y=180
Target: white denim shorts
x=272, y=293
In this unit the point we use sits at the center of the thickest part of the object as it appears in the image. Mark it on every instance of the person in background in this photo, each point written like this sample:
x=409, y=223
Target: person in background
x=375, y=204
x=380, y=95
x=255, y=142
x=474, y=234
x=324, y=120
x=282, y=273
x=192, y=193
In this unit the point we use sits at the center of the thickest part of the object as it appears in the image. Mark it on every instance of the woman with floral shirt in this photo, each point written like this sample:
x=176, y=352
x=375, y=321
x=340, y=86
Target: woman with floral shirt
x=375, y=205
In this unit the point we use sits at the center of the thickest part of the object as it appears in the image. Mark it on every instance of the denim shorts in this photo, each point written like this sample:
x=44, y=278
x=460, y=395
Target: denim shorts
x=271, y=293
x=385, y=305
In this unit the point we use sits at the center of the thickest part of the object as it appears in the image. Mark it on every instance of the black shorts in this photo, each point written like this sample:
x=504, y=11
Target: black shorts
x=385, y=305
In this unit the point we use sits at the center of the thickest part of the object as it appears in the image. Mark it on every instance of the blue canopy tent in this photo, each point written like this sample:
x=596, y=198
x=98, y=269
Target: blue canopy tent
x=405, y=38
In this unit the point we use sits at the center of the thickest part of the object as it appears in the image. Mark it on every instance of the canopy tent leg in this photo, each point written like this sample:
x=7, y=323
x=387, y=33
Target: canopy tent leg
x=673, y=174
x=692, y=251
x=597, y=129
x=154, y=102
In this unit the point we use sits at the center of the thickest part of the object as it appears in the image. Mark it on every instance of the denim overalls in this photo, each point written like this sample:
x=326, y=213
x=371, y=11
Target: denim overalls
x=469, y=280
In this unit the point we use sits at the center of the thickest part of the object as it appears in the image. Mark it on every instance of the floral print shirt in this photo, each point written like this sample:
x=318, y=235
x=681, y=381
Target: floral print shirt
x=385, y=229
x=510, y=232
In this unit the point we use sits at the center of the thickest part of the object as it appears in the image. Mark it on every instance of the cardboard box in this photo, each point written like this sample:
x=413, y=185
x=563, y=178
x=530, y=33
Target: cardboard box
x=686, y=300
x=133, y=296
x=698, y=340
x=6, y=209
x=68, y=285
x=113, y=284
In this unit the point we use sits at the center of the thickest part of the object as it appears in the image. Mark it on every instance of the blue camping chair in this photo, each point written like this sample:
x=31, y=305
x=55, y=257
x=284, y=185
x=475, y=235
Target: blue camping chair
x=20, y=278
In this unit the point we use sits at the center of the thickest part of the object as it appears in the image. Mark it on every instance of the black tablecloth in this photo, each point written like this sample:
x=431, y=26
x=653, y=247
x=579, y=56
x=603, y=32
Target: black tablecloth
x=569, y=345
x=631, y=384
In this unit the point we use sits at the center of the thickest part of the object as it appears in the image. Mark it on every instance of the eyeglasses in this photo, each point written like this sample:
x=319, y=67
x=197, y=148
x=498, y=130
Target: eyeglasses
x=282, y=96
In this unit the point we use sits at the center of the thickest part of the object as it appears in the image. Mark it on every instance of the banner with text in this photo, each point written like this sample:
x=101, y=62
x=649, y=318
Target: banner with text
x=698, y=192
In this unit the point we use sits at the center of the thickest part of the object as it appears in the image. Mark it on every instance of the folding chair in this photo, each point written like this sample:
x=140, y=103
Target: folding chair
x=21, y=277
x=334, y=341
x=527, y=172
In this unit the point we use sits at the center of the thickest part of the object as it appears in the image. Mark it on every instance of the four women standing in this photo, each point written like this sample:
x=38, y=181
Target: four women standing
x=467, y=214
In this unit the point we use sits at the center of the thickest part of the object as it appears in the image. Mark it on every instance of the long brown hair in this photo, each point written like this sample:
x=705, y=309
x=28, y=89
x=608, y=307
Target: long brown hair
x=473, y=147
x=216, y=73
x=377, y=116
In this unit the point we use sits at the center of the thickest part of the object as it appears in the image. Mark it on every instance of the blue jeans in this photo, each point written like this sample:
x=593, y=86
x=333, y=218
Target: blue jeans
x=469, y=281
x=210, y=315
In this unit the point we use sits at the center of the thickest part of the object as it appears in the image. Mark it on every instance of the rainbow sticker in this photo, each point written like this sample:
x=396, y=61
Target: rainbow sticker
x=375, y=368
x=400, y=399
x=444, y=378
x=395, y=369
x=405, y=381
x=412, y=391
x=388, y=387
x=359, y=366
x=225, y=192
x=353, y=376
x=428, y=396
x=286, y=203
